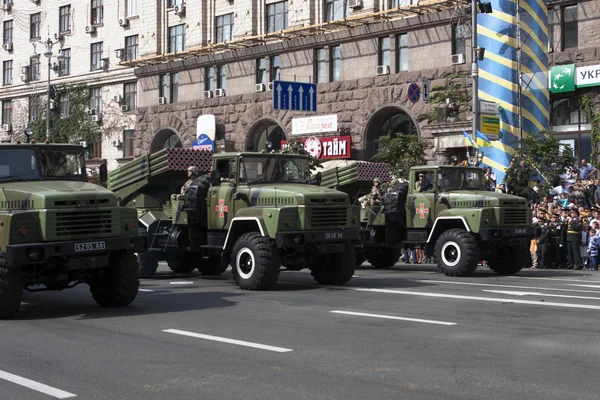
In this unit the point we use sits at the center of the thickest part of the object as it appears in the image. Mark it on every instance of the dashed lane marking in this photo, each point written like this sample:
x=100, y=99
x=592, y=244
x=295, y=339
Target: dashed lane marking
x=181, y=283
x=425, y=321
x=551, y=279
x=38, y=387
x=589, y=286
x=146, y=290
x=230, y=341
x=517, y=293
x=510, y=286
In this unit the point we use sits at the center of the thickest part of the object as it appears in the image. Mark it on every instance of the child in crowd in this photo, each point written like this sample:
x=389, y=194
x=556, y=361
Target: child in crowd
x=593, y=249
x=563, y=202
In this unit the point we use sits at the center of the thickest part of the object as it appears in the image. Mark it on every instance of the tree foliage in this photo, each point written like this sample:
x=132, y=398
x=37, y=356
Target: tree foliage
x=401, y=152
x=295, y=146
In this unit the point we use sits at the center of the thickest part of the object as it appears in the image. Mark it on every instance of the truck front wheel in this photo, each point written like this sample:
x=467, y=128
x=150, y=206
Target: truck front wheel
x=119, y=286
x=334, y=269
x=457, y=253
x=11, y=289
x=510, y=260
x=383, y=257
x=255, y=262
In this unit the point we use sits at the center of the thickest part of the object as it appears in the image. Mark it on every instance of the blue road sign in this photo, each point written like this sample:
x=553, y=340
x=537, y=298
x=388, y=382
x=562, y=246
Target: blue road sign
x=414, y=92
x=295, y=96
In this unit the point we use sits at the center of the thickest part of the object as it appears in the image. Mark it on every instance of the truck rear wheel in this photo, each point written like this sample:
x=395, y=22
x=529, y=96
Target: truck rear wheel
x=147, y=264
x=510, y=260
x=383, y=257
x=184, y=263
x=335, y=269
x=255, y=262
x=11, y=289
x=457, y=253
x=212, y=266
x=120, y=286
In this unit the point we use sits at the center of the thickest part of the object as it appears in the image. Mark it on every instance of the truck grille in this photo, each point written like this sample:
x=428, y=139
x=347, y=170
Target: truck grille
x=326, y=217
x=515, y=216
x=83, y=223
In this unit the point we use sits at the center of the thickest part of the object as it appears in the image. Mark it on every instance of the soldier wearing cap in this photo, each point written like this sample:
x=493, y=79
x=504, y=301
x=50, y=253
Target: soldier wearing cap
x=376, y=192
x=192, y=173
x=543, y=243
x=573, y=239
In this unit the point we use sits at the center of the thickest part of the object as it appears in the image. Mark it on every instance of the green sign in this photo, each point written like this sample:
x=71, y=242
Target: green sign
x=490, y=125
x=562, y=78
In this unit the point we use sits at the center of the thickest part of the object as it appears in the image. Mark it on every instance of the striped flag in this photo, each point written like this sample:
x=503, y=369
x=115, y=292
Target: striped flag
x=469, y=140
x=482, y=140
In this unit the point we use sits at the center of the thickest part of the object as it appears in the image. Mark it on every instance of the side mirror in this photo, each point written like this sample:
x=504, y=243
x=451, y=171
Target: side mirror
x=319, y=178
x=103, y=173
x=241, y=196
x=214, y=178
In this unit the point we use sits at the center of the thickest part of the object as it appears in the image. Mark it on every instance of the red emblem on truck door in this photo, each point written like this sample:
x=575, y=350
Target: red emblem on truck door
x=221, y=208
x=421, y=210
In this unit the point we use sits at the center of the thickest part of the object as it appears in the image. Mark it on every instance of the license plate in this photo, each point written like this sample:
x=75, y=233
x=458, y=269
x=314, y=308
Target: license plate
x=90, y=246
x=334, y=235
x=520, y=231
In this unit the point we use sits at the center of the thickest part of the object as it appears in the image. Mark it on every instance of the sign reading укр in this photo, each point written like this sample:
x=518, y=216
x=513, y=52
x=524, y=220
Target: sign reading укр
x=320, y=124
x=327, y=147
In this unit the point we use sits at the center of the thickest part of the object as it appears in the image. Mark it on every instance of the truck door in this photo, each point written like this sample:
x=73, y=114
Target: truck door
x=421, y=200
x=221, y=205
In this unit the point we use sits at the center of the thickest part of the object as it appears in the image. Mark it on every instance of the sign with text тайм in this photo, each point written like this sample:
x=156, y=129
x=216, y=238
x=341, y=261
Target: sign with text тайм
x=326, y=147
x=490, y=126
x=316, y=124
x=294, y=96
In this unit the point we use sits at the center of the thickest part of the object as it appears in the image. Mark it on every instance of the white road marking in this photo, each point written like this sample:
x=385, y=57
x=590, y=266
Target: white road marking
x=515, y=293
x=230, y=341
x=426, y=321
x=355, y=276
x=181, y=283
x=590, y=286
x=38, y=387
x=550, y=279
x=146, y=290
x=509, y=286
x=490, y=299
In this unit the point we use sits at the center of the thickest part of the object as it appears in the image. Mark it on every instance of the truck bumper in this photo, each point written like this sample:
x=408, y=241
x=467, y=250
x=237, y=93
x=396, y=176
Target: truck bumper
x=89, y=252
x=504, y=234
x=302, y=238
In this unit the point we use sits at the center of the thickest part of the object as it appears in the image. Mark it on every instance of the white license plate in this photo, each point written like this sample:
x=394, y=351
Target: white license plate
x=520, y=231
x=90, y=246
x=334, y=235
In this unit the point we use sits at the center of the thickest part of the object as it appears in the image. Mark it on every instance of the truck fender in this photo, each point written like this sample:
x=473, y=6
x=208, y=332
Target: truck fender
x=241, y=225
x=443, y=224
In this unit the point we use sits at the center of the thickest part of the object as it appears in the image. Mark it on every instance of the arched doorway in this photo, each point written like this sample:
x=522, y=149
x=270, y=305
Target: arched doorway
x=165, y=138
x=262, y=131
x=390, y=120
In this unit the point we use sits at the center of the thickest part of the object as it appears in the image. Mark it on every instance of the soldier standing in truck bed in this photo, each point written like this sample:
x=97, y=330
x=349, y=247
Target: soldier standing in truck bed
x=192, y=173
x=573, y=239
x=376, y=197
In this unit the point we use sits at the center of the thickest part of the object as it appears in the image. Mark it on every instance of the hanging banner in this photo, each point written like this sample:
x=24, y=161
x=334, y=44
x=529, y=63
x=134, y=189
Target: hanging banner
x=317, y=124
x=205, y=133
x=326, y=147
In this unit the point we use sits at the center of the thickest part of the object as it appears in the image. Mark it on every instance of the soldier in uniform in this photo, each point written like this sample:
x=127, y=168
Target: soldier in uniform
x=573, y=239
x=554, y=257
x=543, y=243
x=192, y=174
x=376, y=193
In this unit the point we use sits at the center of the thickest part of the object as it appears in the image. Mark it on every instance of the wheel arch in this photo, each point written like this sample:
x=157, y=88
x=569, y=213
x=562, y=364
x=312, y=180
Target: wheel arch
x=241, y=225
x=442, y=224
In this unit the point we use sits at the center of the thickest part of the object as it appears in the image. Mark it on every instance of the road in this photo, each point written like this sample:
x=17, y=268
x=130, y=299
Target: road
x=404, y=333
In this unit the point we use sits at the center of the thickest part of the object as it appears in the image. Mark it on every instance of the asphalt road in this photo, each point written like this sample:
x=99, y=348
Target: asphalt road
x=405, y=333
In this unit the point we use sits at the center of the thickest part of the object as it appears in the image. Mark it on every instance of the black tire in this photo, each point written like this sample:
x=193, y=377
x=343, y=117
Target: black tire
x=383, y=257
x=11, y=289
x=147, y=264
x=212, y=266
x=457, y=253
x=255, y=262
x=335, y=269
x=197, y=213
x=510, y=260
x=361, y=257
x=184, y=263
x=120, y=286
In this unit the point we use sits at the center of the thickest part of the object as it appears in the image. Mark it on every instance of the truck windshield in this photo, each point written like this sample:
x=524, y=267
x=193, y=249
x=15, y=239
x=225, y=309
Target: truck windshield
x=36, y=164
x=268, y=169
x=461, y=179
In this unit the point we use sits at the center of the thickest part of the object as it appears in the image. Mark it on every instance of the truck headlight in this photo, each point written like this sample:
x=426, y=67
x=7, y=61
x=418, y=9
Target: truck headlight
x=35, y=253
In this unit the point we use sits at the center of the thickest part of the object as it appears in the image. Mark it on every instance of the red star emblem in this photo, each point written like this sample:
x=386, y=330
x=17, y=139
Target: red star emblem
x=422, y=210
x=221, y=208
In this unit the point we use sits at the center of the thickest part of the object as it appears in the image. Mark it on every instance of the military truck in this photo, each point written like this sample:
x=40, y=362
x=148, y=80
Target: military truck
x=447, y=211
x=255, y=211
x=58, y=230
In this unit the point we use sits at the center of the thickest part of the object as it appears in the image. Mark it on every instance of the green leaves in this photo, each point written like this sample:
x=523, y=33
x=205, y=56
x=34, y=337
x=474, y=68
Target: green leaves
x=295, y=146
x=401, y=152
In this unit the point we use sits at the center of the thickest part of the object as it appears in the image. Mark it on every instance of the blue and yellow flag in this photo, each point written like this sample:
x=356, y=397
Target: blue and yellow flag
x=469, y=140
x=482, y=140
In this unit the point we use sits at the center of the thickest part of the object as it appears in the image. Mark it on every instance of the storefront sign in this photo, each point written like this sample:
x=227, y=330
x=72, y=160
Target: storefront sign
x=587, y=76
x=488, y=107
x=490, y=126
x=205, y=133
x=327, y=147
x=565, y=78
x=320, y=124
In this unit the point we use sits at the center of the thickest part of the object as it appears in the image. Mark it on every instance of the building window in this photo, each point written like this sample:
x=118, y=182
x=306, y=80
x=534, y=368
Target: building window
x=64, y=22
x=34, y=25
x=163, y=85
x=7, y=72
x=402, y=52
x=8, y=32
x=7, y=112
x=570, y=27
x=34, y=68
x=320, y=71
x=130, y=95
x=97, y=12
x=274, y=68
x=224, y=28
x=131, y=47
x=384, y=51
x=173, y=3
x=64, y=105
x=174, y=87
x=459, y=37
x=277, y=16
x=221, y=77
x=96, y=99
x=400, y=3
x=65, y=66
x=131, y=8
x=176, y=38
x=570, y=125
x=34, y=109
x=335, y=9
x=261, y=71
x=550, y=29
x=128, y=143
x=96, y=55
x=209, y=78
x=335, y=61
x=95, y=149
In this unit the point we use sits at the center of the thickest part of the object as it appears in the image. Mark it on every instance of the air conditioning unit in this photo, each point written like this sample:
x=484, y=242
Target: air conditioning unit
x=383, y=70
x=208, y=94
x=124, y=23
x=355, y=3
x=91, y=111
x=270, y=86
x=117, y=98
x=52, y=104
x=90, y=29
x=458, y=59
x=25, y=77
x=179, y=9
x=25, y=70
x=6, y=7
x=259, y=87
x=83, y=144
x=117, y=143
x=96, y=118
x=219, y=92
x=162, y=100
x=6, y=127
x=103, y=63
x=124, y=107
x=34, y=119
x=8, y=46
x=35, y=1
x=120, y=53
x=550, y=49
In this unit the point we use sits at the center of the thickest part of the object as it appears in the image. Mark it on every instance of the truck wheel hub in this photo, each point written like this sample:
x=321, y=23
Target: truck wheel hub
x=451, y=254
x=244, y=262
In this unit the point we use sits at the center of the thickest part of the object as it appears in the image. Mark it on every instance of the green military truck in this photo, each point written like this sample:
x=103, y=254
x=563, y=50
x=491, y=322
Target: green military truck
x=447, y=211
x=254, y=211
x=57, y=230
